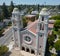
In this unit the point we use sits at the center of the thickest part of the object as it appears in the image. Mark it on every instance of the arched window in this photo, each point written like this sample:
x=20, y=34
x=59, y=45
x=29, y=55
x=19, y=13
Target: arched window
x=42, y=18
x=27, y=50
x=41, y=26
x=32, y=51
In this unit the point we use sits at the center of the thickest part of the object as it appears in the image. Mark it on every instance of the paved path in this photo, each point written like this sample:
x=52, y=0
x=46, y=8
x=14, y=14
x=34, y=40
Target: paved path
x=20, y=53
x=15, y=51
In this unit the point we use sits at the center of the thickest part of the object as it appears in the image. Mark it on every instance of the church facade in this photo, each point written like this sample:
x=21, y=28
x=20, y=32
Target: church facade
x=32, y=38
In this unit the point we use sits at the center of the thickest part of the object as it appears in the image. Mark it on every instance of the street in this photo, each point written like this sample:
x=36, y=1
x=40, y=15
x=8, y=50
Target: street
x=4, y=40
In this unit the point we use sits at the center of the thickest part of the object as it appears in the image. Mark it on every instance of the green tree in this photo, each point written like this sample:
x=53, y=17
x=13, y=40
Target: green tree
x=38, y=8
x=10, y=23
x=59, y=7
x=1, y=31
x=19, y=7
x=24, y=22
x=1, y=18
x=57, y=45
x=53, y=55
x=5, y=12
x=11, y=8
x=57, y=17
x=30, y=10
x=3, y=50
x=51, y=38
x=57, y=27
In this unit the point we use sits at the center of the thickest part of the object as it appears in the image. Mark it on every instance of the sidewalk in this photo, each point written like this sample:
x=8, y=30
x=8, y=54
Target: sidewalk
x=20, y=53
x=16, y=52
x=10, y=46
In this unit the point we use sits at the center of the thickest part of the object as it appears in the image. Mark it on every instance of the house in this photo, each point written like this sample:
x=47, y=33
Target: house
x=34, y=12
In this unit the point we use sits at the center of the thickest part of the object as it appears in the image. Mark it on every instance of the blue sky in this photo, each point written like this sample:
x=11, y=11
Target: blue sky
x=49, y=2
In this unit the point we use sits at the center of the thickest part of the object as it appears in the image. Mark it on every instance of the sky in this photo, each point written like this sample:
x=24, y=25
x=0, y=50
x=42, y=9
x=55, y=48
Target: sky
x=16, y=2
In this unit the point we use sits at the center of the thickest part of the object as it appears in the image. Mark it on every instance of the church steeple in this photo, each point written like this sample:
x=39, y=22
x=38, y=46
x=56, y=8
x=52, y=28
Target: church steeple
x=17, y=25
x=42, y=29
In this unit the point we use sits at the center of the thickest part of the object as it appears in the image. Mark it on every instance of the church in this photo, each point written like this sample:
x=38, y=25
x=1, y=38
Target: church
x=33, y=38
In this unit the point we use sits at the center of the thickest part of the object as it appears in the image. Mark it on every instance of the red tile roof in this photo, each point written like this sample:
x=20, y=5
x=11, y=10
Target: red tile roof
x=33, y=27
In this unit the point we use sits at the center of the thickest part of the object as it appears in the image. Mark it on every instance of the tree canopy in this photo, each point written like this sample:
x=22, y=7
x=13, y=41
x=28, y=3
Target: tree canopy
x=24, y=22
x=57, y=27
x=11, y=8
x=51, y=38
x=53, y=55
x=1, y=17
x=1, y=31
x=57, y=17
x=3, y=50
x=5, y=12
x=57, y=45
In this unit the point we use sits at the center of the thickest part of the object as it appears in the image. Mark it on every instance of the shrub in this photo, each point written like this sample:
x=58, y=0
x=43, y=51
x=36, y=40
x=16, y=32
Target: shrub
x=1, y=31
x=10, y=23
x=57, y=45
x=3, y=50
x=24, y=22
x=57, y=17
x=50, y=47
x=53, y=55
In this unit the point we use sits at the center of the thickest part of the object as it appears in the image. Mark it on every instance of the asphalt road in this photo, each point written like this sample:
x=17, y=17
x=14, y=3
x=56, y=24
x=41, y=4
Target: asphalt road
x=7, y=37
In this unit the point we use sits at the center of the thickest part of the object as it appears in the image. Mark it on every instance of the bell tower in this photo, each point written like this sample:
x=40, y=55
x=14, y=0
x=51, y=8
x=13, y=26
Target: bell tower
x=17, y=25
x=42, y=29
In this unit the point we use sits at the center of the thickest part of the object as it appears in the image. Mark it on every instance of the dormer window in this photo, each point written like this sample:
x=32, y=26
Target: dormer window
x=42, y=18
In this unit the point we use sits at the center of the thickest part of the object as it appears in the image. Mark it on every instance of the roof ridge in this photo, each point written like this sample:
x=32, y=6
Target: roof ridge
x=32, y=24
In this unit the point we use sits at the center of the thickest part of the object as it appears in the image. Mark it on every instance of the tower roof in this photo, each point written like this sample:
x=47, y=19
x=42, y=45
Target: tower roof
x=44, y=11
x=15, y=10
